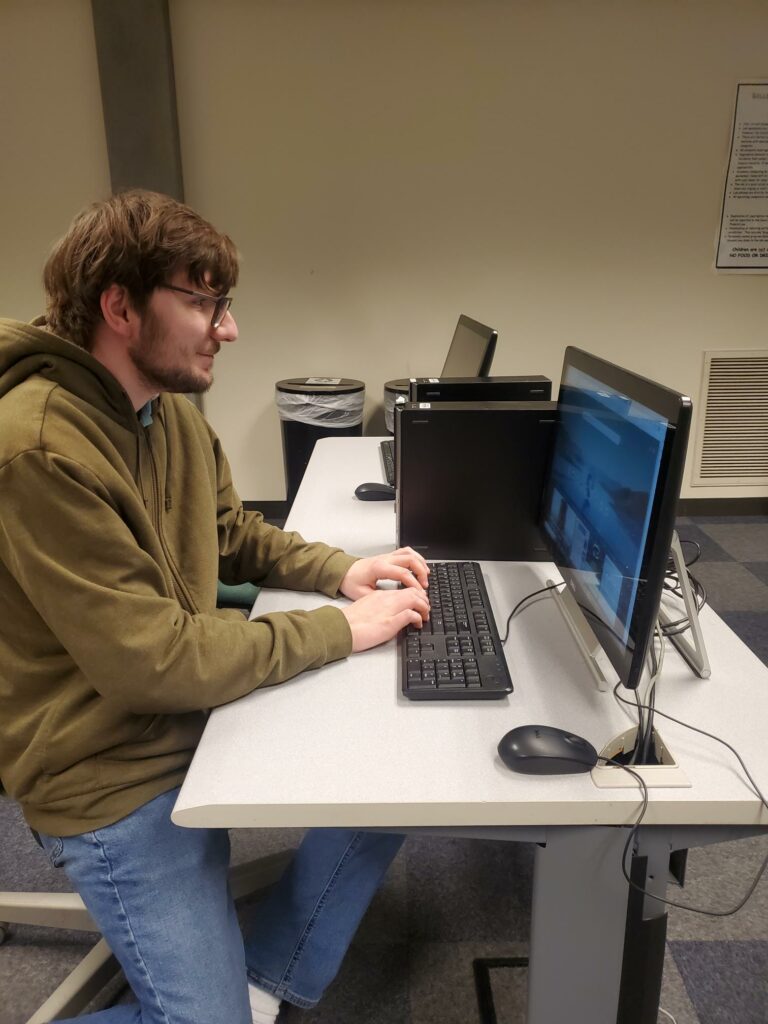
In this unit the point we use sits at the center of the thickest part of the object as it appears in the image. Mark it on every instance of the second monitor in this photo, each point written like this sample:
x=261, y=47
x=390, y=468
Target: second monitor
x=471, y=351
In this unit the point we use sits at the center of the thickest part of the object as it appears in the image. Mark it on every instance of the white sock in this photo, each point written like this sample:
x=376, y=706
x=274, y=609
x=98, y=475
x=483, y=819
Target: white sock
x=264, y=1006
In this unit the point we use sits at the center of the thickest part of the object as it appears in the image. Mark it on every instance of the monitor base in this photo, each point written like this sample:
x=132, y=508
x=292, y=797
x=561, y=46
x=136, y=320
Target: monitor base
x=694, y=651
x=602, y=672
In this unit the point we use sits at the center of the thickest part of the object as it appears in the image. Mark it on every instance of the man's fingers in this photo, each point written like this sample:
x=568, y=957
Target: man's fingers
x=404, y=575
x=413, y=554
x=379, y=616
x=412, y=560
x=416, y=576
x=407, y=617
x=415, y=599
x=409, y=570
x=418, y=559
x=405, y=566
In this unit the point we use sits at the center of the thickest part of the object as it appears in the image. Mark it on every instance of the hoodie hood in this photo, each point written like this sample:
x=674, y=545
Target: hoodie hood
x=28, y=350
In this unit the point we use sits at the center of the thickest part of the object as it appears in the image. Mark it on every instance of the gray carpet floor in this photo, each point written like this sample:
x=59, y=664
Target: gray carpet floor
x=447, y=902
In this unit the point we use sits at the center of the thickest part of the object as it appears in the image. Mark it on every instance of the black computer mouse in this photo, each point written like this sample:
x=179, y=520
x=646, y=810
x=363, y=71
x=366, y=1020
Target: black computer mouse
x=545, y=750
x=375, y=492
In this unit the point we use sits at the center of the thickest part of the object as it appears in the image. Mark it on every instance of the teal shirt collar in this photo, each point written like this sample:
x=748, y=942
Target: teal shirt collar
x=145, y=414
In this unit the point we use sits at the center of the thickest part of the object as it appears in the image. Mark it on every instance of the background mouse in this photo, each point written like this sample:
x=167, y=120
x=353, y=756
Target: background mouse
x=375, y=492
x=545, y=750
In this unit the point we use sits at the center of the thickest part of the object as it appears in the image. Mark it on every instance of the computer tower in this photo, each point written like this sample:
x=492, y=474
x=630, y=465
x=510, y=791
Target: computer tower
x=531, y=388
x=470, y=477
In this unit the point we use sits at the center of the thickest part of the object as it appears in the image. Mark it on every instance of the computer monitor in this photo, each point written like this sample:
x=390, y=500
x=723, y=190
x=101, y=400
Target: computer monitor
x=610, y=499
x=471, y=351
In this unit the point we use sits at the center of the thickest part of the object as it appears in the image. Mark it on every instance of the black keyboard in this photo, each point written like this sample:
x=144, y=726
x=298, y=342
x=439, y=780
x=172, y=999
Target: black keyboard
x=457, y=655
x=388, y=458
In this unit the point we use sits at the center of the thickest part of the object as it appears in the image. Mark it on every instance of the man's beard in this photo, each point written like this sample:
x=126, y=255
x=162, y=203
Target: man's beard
x=146, y=356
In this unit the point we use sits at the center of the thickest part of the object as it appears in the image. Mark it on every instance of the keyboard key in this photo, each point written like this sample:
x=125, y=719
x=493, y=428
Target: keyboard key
x=423, y=684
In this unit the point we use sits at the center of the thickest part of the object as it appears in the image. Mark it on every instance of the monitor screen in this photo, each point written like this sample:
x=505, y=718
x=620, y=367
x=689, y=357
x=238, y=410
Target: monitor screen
x=610, y=500
x=471, y=351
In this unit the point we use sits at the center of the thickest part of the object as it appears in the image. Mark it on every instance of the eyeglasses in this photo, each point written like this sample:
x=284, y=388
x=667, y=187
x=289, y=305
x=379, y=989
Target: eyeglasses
x=220, y=309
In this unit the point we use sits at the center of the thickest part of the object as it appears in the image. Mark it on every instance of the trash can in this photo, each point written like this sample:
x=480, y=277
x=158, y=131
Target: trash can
x=311, y=408
x=394, y=390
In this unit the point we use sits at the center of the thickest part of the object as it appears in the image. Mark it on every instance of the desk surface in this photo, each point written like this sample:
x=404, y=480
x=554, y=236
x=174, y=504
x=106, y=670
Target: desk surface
x=341, y=746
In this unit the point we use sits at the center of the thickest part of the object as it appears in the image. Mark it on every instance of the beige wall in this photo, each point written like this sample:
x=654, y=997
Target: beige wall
x=54, y=154
x=554, y=169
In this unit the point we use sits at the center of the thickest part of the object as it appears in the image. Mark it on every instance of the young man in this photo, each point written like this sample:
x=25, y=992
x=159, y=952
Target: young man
x=118, y=516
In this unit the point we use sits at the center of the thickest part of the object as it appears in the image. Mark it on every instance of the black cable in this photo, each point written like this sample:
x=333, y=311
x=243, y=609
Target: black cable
x=552, y=586
x=643, y=808
x=700, y=594
x=645, y=739
x=648, y=735
x=696, y=544
x=756, y=788
x=656, y=663
x=640, y=729
x=635, y=827
x=700, y=597
x=710, y=736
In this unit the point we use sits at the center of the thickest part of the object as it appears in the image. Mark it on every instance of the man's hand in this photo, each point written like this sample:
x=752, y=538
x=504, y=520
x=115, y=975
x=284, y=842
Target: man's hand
x=405, y=565
x=381, y=614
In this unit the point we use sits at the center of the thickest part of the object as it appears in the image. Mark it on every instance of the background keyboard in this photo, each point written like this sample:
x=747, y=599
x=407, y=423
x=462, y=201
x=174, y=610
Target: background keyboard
x=457, y=655
x=388, y=458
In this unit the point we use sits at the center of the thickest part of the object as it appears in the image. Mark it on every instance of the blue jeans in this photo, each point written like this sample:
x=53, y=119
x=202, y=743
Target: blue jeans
x=160, y=896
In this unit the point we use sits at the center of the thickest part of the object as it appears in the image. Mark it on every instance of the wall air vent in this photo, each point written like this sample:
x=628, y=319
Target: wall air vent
x=732, y=432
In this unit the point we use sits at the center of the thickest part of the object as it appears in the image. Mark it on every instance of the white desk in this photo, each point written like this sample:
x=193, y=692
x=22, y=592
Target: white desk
x=341, y=746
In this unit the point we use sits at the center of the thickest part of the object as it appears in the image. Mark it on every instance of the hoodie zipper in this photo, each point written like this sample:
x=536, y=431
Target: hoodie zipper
x=182, y=593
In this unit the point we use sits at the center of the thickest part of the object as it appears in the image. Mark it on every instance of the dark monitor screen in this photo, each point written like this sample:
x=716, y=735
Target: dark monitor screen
x=471, y=351
x=611, y=497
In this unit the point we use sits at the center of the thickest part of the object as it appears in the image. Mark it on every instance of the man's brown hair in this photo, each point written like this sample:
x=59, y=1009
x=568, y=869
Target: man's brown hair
x=136, y=239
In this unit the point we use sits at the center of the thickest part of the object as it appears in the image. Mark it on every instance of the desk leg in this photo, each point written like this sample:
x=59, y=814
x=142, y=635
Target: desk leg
x=578, y=922
x=646, y=931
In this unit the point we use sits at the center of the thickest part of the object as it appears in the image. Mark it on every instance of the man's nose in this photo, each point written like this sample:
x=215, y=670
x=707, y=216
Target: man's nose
x=227, y=329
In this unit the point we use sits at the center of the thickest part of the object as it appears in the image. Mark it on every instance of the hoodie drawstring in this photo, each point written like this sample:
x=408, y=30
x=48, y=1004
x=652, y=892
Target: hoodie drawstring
x=139, y=482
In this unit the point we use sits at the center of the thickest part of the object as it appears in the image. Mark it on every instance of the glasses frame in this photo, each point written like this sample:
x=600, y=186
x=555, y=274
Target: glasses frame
x=220, y=309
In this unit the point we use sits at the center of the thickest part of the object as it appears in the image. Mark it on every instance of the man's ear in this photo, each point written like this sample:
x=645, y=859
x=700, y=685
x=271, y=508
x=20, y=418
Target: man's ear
x=118, y=311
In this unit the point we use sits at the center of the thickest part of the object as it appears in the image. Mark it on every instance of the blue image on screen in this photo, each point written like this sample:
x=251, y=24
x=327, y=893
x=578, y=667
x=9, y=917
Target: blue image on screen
x=604, y=475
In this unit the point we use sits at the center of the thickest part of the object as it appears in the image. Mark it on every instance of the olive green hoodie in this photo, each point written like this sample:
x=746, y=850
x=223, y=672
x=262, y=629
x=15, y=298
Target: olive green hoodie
x=112, y=538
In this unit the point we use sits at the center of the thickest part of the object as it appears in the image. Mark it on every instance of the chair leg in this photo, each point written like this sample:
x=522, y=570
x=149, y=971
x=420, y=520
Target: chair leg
x=66, y=910
x=50, y=909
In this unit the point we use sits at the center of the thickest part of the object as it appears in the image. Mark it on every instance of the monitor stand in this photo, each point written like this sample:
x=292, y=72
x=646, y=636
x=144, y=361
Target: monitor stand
x=602, y=671
x=694, y=653
x=665, y=771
